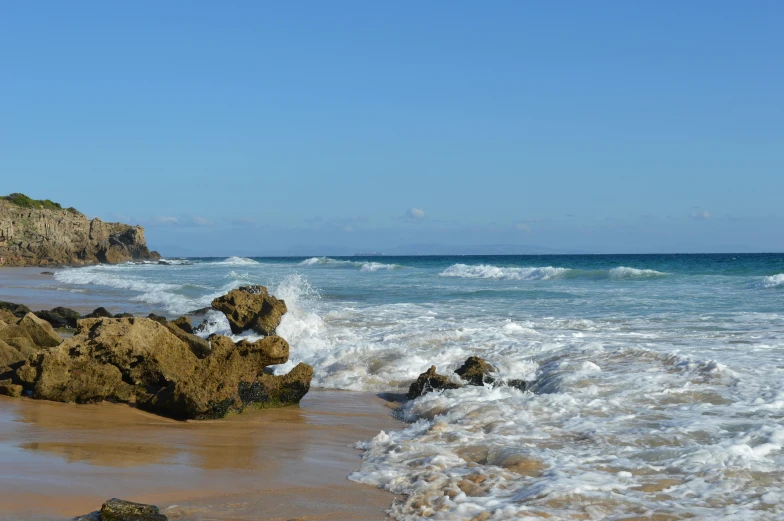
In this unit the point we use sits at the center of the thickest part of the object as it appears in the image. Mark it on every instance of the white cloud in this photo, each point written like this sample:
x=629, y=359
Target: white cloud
x=702, y=215
x=415, y=213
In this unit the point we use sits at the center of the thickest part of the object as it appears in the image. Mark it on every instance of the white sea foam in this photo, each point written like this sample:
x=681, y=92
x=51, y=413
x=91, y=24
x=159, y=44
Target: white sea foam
x=773, y=281
x=486, y=271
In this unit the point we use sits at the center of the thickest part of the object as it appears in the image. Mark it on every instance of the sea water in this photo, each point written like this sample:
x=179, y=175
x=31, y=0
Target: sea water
x=659, y=379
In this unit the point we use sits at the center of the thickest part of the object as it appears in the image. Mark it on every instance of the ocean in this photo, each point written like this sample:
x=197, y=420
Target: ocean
x=659, y=379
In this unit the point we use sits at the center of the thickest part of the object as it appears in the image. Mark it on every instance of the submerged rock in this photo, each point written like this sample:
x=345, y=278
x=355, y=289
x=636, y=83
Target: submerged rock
x=475, y=371
x=428, y=381
x=120, y=510
x=251, y=307
x=100, y=312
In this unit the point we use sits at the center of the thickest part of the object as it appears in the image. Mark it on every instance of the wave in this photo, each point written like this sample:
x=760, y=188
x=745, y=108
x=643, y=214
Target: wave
x=771, y=282
x=622, y=272
x=361, y=265
x=238, y=261
x=487, y=271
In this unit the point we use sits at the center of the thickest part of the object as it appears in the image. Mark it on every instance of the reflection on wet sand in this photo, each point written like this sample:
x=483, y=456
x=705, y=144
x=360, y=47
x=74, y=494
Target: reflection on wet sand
x=60, y=460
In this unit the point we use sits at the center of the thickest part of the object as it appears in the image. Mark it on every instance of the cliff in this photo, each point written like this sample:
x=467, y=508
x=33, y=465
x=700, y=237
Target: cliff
x=42, y=233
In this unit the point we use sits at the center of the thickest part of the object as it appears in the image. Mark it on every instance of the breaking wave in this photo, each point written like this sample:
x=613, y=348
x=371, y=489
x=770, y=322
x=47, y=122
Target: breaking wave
x=773, y=281
x=486, y=271
x=238, y=261
x=360, y=265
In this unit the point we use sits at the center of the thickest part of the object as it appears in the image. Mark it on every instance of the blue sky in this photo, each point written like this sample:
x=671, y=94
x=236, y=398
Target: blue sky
x=261, y=127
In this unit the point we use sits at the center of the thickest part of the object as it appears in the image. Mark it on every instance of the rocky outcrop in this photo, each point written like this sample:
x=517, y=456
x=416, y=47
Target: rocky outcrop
x=251, y=307
x=60, y=318
x=138, y=360
x=40, y=233
x=120, y=510
x=475, y=371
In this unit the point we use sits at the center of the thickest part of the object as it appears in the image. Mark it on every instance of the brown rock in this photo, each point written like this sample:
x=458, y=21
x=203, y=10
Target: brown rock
x=8, y=388
x=183, y=323
x=120, y=510
x=197, y=344
x=18, y=310
x=138, y=359
x=430, y=381
x=475, y=371
x=40, y=331
x=251, y=307
x=100, y=312
x=159, y=319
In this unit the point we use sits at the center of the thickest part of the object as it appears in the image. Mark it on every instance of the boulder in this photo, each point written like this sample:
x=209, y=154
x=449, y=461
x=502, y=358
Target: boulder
x=101, y=312
x=232, y=379
x=124, y=315
x=60, y=317
x=428, y=381
x=251, y=307
x=8, y=317
x=40, y=331
x=120, y=510
x=475, y=371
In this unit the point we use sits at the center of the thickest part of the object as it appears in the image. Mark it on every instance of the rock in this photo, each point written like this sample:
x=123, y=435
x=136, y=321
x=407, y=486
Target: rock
x=18, y=310
x=7, y=317
x=251, y=307
x=197, y=344
x=232, y=379
x=159, y=319
x=60, y=317
x=120, y=510
x=522, y=385
x=200, y=311
x=183, y=323
x=430, y=381
x=475, y=371
x=8, y=388
x=47, y=273
x=40, y=331
x=124, y=315
x=42, y=233
x=101, y=312
x=139, y=360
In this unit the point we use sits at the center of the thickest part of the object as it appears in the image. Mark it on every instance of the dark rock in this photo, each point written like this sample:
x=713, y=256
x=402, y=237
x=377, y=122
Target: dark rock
x=18, y=310
x=183, y=323
x=119, y=510
x=522, y=385
x=60, y=317
x=124, y=315
x=99, y=313
x=47, y=273
x=475, y=371
x=251, y=307
x=200, y=311
x=430, y=381
x=159, y=319
x=164, y=263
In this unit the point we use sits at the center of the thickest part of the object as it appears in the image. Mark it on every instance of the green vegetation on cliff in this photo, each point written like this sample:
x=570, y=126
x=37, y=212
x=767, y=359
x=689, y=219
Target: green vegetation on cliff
x=36, y=204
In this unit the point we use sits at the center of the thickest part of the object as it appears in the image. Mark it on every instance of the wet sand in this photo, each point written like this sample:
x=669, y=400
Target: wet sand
x=61, y=460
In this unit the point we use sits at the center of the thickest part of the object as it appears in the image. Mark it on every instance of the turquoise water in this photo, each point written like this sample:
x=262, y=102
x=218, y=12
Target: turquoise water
x=659, y=387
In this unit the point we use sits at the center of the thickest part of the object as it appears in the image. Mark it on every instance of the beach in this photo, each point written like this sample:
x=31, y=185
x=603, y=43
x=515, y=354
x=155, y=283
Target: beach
x=62, y=460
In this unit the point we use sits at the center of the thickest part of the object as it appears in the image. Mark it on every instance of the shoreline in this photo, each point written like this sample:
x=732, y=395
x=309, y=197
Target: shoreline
x=62, y=460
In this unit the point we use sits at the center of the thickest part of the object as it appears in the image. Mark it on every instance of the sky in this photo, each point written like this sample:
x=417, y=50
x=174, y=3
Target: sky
x=313, y=127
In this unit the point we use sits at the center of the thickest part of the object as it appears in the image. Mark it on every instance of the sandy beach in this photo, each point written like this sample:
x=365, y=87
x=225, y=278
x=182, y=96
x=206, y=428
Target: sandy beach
x=61, y=460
